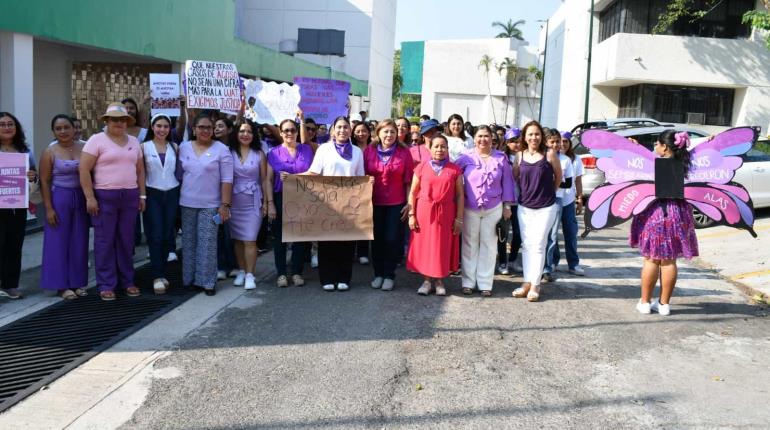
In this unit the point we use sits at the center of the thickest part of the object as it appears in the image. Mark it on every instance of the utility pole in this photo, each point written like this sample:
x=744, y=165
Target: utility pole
x=542, y=80
x=588, y=65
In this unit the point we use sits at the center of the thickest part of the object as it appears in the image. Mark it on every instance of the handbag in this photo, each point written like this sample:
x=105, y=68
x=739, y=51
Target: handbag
x=35, y=196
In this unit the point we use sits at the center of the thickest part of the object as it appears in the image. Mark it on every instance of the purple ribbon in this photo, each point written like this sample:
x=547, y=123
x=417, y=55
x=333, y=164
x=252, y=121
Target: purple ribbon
x=437, y=165
x=384, y=155
x=345, y=150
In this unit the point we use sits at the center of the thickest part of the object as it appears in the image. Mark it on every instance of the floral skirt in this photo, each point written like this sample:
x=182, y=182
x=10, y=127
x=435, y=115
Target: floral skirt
x=665, y=231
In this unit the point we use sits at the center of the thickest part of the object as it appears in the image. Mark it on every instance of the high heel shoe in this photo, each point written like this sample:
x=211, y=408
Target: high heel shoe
x=534, y=294
x=522, y=291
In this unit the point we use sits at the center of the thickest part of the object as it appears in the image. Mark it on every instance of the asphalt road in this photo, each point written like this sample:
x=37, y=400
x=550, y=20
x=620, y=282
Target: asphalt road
x=581, y=358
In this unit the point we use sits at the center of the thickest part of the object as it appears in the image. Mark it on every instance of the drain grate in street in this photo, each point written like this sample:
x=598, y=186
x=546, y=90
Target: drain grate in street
x=41, y=347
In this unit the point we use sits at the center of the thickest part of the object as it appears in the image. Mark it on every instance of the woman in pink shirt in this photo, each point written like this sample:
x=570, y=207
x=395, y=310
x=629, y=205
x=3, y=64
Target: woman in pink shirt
x=392, y=167
x=113, y=198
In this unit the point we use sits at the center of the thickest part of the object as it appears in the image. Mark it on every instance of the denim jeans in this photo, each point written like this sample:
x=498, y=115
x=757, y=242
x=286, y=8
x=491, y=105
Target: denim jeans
x=388, y=244
x=569, y=226
x=552, y=247
x=279, y=247
x=160, y=227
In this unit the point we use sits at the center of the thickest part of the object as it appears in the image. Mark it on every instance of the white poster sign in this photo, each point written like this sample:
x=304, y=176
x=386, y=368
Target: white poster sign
x=164, y=90
x=270, y=102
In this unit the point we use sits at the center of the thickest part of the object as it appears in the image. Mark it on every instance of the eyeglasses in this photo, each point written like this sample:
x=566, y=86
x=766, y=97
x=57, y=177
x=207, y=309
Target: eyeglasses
x=289, y=131
x=7, y=125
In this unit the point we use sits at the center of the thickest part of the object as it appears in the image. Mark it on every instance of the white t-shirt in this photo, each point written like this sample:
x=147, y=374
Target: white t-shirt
x=458, y=146
x=328, y=162
x=566, y=172
x=577, y=170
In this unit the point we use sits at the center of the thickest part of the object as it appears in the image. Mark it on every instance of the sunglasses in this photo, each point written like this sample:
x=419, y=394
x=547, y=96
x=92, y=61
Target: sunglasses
x=310, y=128
x=289, y=130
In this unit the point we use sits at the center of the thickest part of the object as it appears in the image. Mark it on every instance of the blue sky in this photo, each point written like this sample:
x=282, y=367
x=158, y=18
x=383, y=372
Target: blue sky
x=467, y=19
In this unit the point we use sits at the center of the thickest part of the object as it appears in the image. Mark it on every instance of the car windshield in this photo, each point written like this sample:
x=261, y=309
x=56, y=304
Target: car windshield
x=645, y=139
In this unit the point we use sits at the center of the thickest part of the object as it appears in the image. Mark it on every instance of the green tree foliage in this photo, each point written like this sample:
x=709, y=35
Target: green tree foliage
x=510, y=29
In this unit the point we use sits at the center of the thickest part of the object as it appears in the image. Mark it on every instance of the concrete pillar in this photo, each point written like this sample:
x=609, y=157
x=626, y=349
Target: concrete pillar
x=16, y=83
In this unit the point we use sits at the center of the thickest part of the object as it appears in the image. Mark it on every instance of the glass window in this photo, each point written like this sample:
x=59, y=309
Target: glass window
x=671, y=103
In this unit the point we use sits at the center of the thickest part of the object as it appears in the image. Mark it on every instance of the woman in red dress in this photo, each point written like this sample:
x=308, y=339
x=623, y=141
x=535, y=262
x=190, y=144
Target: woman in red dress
x=435, y=205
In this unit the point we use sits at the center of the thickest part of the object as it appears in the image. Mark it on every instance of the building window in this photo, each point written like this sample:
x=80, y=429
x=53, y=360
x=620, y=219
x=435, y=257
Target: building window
x=322, y=42
x=671, y=103
x=641, y=16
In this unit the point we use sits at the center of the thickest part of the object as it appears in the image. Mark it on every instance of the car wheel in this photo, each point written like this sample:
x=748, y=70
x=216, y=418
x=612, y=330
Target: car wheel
x=702, y=221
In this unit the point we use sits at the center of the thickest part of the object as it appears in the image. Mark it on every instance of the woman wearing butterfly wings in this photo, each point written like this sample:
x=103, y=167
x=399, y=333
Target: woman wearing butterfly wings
x=663, y=227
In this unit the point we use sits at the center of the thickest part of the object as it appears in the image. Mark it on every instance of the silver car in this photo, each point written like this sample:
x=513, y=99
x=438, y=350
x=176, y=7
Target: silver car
x=754, y=175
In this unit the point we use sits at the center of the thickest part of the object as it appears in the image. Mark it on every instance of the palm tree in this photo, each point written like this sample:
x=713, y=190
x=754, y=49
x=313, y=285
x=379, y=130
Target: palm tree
x=485, y=64
x=511, y=71
x=510, y=29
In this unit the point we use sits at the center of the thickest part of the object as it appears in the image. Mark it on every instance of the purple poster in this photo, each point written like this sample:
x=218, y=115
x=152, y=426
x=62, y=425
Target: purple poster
x=323, y=99
x=13, y=180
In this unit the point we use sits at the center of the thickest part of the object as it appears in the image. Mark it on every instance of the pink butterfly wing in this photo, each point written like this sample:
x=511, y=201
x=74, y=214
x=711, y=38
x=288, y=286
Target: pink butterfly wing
x=715, y=161
x=620, y=159
x=613, y=204
x=726, y=204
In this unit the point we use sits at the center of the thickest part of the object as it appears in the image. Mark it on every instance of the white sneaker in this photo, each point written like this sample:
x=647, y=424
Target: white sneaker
x=577, y=270
x=363, y=260
x=297, y=280
x=377, y=282
x=387, y=285
x=282, y=281
x=643, y=308
x=657, y=306
x=343, y=287
x=221, y=274
x=328, y=287
x=250, y=284
x=240, y=278
x=314, y=261
x=233, y=273
x=503, y=269
x=172, y=256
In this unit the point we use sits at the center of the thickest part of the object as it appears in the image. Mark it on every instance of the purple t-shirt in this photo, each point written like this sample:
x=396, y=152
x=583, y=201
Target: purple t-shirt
x=281, y=161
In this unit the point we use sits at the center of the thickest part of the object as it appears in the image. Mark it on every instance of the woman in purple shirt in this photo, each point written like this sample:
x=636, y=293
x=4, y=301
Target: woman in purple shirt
x=207, y=186
x=289, y=158
x=489, y=193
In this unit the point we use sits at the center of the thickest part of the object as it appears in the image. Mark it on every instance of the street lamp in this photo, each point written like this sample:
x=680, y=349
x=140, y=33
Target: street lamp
x=545, y=56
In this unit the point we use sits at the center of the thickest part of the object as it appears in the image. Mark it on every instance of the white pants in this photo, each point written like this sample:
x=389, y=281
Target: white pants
x=535, y=225
x=480, y=247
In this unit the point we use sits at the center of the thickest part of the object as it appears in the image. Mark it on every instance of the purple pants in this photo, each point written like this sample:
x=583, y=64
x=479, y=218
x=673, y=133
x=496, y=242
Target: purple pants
x=114, y=238
x=65, y=247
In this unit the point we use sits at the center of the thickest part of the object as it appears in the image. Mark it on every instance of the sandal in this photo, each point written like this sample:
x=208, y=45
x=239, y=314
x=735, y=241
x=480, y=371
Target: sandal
x=107, y=296
x=440, y=289
x=159, y=287
x=522, y=291
x=81, y=292
x=534, y=293
x=486, y=293
x=467, y=291
x=133, y=292
x=68, y=294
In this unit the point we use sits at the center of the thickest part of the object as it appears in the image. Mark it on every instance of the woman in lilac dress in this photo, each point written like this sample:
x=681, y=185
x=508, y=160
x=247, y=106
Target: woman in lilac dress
x=288, y=158
x=65, y=240
x=664, y=232
x=249, y=180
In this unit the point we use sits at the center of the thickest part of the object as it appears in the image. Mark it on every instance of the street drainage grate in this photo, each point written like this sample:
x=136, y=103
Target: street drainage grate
x=41, y=347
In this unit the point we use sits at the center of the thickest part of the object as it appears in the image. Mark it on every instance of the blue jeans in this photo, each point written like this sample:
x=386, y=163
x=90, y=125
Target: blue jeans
x=388, y=242
x=160, y=227
x=279, y=247
x=569, y=226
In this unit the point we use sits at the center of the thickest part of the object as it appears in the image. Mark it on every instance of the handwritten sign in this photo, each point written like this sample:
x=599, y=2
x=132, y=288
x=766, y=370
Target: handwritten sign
x=323, y=99
x=327, y=208
x=270, y=102
x=14, y=185
x=212, y=85
x=164, y=90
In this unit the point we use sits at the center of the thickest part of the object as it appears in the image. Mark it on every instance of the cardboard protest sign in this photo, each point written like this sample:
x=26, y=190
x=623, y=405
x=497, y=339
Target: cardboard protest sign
x=212, y=85
x=14, y=185
x=164, y=90
x=327, y=208
x=323, y=99
x=270, y=102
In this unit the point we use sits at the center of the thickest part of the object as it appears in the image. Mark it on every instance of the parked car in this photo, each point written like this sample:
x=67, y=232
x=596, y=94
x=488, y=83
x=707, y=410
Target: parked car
x=754, y=175
x=614, y=124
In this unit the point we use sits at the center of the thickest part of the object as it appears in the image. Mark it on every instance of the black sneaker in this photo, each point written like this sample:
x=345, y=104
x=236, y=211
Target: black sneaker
x=210, y=291
x=548, y=277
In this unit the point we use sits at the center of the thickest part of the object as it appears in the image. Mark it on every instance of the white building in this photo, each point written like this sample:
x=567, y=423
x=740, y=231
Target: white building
x=369, y=34
x=712, y=73
x=453, y=81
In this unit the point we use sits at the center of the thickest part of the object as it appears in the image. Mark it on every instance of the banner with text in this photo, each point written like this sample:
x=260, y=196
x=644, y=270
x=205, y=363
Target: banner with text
x=323, y=99
x=164, y=90
x=14, y=186
x=270, y=102
x=212, y=85
x=327, y=208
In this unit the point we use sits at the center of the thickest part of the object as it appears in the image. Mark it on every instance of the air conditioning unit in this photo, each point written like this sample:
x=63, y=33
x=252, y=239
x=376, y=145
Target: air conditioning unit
x=696, y=118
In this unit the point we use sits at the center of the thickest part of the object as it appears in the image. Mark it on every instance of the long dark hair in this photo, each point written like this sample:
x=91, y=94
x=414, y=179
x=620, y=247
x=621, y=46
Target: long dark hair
x=64, y=117
x=19, y=140
x=542, y=148
x=198, y=118
x=353, y=131
x=347, y=120
x=668, y=138
x=235, y=145
x=462, y=126
x=151, y=134
x=136, y=106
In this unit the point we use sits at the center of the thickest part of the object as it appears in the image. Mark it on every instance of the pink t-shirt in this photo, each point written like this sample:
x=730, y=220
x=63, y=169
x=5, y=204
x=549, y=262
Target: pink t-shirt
x=115, y=167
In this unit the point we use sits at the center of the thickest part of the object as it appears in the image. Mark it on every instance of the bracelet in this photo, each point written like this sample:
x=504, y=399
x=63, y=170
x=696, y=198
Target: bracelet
x=227, y=205
x=458, y=220
x=143, y=197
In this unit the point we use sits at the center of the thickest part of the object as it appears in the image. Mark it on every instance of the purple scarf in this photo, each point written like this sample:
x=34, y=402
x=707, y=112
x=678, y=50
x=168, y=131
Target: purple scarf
x=345, y=150
x=384, y=155
x=437, y=165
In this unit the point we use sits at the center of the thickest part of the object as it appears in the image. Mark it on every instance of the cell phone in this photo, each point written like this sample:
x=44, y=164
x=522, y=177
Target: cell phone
x=217, y=219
